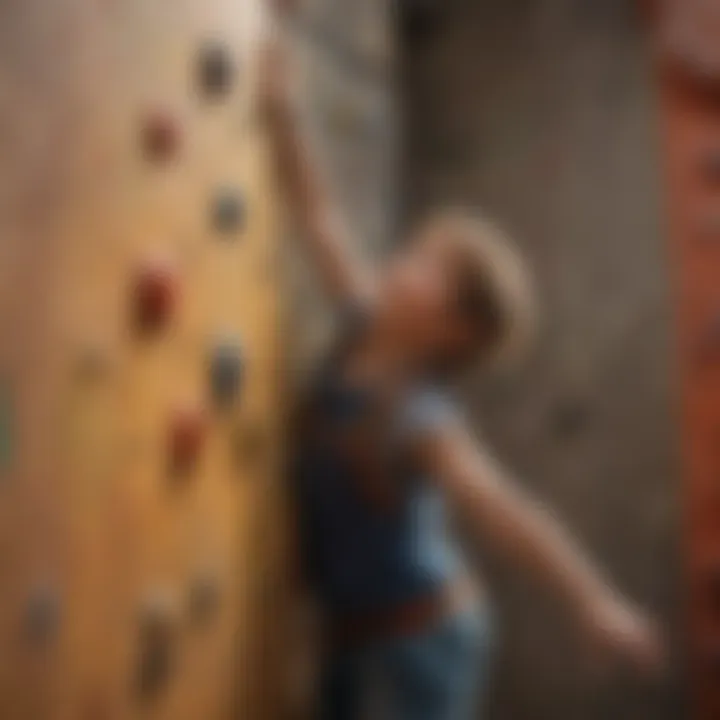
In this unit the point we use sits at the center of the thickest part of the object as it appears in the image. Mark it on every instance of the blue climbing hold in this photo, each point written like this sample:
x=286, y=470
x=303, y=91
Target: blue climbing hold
x=227, y=366
x=228, y=212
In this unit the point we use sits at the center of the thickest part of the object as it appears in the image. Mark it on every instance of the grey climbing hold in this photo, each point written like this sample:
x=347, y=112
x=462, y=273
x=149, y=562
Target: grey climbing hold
x=228, y=211
x=227, y=369
x=158, y=635
x=216, y=71
x=42, y=615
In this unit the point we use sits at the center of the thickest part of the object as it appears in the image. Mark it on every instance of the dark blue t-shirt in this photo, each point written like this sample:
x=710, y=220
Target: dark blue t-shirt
x=361, y=553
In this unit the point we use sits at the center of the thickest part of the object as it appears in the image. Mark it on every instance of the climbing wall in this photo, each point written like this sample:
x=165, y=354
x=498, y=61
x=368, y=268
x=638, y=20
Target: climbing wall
x=687, y=44
x=139, y=364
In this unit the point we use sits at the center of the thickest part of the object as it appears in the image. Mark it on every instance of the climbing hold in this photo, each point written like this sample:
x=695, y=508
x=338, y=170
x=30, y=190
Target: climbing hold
x=204, y=597
x=226, y=371
x=158, y=630
x=160, y=137
x=187, y=436
x=42, y=616
x=228, y=211
x=156, y=289
x=216, y=71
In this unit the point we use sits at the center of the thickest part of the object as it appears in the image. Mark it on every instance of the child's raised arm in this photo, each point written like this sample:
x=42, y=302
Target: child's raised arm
x=305, y=192
x=526, y=533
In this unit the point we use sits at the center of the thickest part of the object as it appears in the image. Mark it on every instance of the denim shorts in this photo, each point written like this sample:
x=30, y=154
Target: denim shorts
x=438, y=675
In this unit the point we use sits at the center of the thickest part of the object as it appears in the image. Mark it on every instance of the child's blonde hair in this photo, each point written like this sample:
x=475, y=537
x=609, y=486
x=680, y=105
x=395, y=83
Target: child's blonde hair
x=494, y=285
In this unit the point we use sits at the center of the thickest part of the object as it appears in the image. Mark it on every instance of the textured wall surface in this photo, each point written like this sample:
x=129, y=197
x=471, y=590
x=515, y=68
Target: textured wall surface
x=139, y=478
x=543, y=113
x=346, y=70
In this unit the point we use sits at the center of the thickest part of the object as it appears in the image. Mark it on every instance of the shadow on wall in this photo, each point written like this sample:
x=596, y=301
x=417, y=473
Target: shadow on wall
x=543, y=113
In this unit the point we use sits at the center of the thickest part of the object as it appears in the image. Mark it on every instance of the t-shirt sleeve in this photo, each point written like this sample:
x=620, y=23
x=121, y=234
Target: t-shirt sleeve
x=425, y=412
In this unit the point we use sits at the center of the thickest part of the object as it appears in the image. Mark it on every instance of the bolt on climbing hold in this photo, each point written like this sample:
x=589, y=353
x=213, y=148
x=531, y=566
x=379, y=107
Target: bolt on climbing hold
x=228, y=211
x=160, y=136
x=215, y=71
x=42, y=614
x=226, y=371
x=158, y=630
x=187, y=436
x=155, y=293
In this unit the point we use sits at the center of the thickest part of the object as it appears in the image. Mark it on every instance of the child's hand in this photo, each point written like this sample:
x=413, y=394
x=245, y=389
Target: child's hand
x=616, y=630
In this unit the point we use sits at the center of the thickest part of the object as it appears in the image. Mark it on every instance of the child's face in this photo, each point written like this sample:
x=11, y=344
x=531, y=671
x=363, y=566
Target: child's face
x=420, y=294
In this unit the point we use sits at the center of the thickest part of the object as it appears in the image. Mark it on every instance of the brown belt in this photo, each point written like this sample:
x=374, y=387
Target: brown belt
x=409, y=618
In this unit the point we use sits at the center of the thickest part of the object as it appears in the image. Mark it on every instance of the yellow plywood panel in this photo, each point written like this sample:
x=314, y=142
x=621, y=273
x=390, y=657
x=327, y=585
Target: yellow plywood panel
x=112, y=561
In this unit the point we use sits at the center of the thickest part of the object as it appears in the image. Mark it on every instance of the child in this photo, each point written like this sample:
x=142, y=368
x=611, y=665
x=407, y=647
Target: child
x=382, y=445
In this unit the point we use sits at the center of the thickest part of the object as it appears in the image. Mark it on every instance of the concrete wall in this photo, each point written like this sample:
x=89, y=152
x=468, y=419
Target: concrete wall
x=346, y=53
x=543, y=113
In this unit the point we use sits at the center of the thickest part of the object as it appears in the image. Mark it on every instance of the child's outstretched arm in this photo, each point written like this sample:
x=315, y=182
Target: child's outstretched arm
x=306, y=194
x=525, y=532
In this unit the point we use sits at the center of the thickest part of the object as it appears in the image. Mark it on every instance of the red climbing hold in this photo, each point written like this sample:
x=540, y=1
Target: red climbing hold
x=161, y=136
x=187, y=435
x=156, y=290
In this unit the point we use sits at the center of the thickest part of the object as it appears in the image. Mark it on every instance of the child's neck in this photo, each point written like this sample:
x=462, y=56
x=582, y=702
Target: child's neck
x=385, y=354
